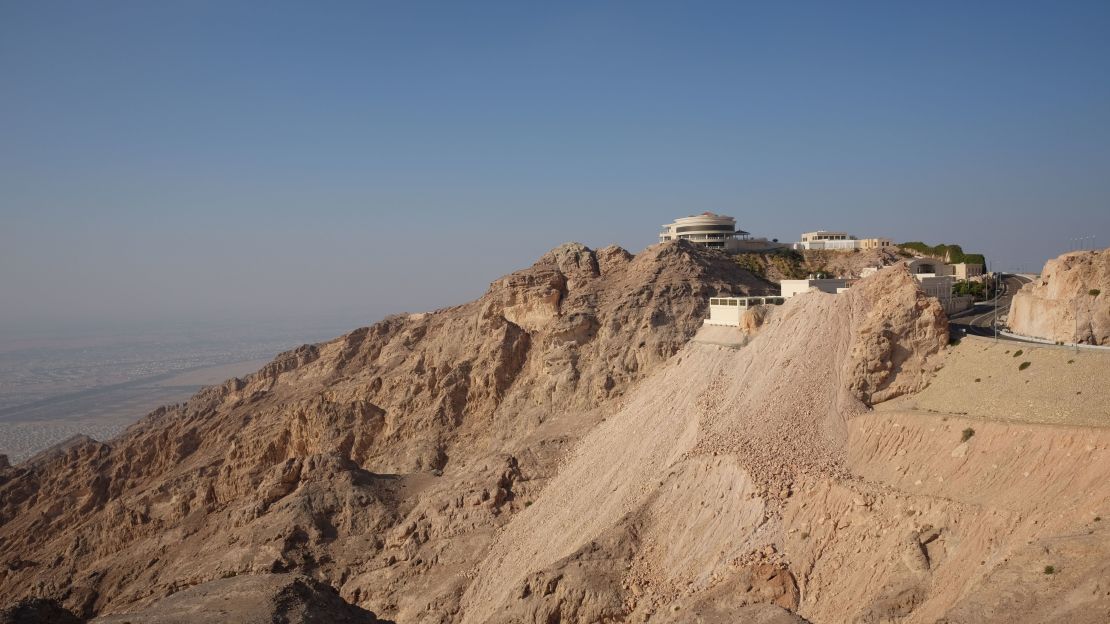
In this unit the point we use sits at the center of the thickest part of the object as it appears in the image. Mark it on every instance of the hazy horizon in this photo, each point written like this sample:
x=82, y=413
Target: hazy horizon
x=230, y=162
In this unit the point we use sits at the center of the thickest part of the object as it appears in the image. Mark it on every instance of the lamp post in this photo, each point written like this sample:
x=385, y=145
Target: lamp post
x=997, y=291
x=1075, y=336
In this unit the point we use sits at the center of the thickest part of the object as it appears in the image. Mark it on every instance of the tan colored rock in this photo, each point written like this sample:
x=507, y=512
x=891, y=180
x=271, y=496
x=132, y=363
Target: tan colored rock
x=359, y=460
x=1070, y=302
x=694, y=464
x=529, y=457
x=899, y=336
x=251, y=599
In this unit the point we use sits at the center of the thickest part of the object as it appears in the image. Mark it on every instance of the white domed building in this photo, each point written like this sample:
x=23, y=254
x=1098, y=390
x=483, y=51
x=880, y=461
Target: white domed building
x=714, y=231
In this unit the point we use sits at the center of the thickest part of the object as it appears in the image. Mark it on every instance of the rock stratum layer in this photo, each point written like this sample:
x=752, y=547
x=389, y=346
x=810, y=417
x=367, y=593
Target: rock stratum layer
x=560, y=451
x=1070, y=302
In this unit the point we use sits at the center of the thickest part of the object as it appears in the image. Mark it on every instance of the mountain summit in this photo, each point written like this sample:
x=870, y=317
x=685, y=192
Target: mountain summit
x=378, y=462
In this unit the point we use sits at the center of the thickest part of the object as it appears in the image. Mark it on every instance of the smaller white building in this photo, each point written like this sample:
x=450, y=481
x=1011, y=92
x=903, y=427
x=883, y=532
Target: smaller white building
x=936, y=279
x=729, y=310
x=797, y=287
x=838, y=241
x=964, y=271
x=926, y=266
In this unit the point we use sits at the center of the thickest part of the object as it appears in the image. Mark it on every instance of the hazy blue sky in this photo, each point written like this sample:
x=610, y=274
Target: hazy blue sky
x=222, y=160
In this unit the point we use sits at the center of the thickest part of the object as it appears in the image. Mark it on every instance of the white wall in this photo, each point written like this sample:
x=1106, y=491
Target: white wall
x=796, y=287
x=725, y=315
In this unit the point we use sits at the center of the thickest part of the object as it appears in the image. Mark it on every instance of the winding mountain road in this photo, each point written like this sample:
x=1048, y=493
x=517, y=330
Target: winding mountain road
x=979, y=320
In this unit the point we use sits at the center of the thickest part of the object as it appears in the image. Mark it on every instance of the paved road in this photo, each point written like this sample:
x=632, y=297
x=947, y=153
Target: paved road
x=979, y=320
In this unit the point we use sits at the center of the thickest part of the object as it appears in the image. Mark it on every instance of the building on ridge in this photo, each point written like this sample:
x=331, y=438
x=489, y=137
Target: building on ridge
x=730, y=310
x=838, y=241
x=715, y=232
x=792, y=287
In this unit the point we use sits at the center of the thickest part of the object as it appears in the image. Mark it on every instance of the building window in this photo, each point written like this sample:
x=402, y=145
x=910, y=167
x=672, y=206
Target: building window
x=704, y=228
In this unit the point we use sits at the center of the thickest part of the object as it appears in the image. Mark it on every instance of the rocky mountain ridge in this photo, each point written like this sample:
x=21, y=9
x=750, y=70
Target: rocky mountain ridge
x=378, y=463
x=1069, y=302
x=574, y=447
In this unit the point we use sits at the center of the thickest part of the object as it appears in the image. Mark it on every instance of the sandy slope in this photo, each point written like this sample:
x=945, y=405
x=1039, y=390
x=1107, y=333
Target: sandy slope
x=724, y=480
x=694, y=467
x=758, y=476
x=981, y=378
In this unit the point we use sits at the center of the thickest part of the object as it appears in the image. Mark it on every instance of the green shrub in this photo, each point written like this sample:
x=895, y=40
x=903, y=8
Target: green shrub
x=977, y=380
x=1094, y=292
x=1049, y=570
x=1024, y=365
x=975, y=289
x=1018, y=352
x=955, y=253
x=966, y=435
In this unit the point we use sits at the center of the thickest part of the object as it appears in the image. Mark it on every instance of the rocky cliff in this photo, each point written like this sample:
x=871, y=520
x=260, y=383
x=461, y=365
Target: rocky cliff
x=561, y=451
x=380, y=463
x=1070, y=302
x=676, y=503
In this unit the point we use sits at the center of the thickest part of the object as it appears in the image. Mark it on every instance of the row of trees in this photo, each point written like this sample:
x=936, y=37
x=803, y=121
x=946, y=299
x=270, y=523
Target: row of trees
x=952, y=254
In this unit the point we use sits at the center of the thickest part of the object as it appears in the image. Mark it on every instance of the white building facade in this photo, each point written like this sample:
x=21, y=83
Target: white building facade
x=936, y=279
x=728, y=310
x=715, y=232
x=839, y=241
x=791, y=288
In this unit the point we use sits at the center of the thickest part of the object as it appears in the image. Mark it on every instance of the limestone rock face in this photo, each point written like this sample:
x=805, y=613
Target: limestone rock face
x=1069, y=303
x=899, y=338
x=380, y=463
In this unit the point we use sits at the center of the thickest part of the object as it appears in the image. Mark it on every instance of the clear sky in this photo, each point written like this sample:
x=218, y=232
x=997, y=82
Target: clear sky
x=229, y=160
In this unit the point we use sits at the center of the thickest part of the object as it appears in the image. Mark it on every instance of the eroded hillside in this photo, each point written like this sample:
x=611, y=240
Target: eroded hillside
x=379, y=463
x=560, y=451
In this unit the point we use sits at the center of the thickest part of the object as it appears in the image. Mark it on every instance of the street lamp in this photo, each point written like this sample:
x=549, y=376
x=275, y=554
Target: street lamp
x=1075, y=336
x=997, y=290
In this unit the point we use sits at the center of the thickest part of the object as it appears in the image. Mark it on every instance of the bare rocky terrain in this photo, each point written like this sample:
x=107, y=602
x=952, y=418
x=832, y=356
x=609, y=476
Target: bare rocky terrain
x=800, y=264
x=380, y=463
x=560, y=450
x=1070, y=302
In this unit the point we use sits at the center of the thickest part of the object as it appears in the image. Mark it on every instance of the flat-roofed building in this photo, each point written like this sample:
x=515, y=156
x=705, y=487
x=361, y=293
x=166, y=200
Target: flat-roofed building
x=791, y=288
x=826, y=235
x=729, y=310
x=929, y=266
x=875, y=243
x=963, y=270
x=839, y=241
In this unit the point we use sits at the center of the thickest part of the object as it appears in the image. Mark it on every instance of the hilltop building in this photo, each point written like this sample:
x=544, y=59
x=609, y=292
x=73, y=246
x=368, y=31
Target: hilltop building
x=715, y=232
x=936, y=279
x=838, y=241
x=931, y=267
x=790, y=288
x=729, y=310
x=964, y=270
